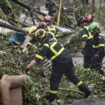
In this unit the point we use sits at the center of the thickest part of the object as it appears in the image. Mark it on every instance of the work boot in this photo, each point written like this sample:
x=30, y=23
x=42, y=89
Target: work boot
x=85, y=90
x=87, y=94
x=50, y=97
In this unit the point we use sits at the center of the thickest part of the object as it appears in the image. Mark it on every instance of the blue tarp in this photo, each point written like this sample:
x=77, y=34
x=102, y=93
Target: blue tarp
x=18, y=38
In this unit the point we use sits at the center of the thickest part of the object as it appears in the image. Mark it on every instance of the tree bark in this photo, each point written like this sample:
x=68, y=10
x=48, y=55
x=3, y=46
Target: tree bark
x=8, y=83
x=93, y=6
x=99, y=14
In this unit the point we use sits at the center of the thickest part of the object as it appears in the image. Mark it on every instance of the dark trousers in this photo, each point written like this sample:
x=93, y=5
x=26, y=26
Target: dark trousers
x=97, y=62
x=88, y=59
x=57, y=72
x=58, y=69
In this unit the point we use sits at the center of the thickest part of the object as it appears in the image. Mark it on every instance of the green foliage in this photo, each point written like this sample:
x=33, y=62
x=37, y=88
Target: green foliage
x=7, y=6
x=4, y=6
x=12, y=63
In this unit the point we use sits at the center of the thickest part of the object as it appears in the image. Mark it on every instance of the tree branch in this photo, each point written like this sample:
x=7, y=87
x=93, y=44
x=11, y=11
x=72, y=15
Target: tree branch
x=22, y=4
x=5, y=25
x=28, y=7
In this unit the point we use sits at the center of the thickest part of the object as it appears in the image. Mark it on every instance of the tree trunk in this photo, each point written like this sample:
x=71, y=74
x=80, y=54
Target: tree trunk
x=99, y=13
x=85, y=2
x=93, y=6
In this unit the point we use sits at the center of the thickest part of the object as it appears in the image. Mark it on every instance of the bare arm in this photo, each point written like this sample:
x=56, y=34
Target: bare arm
x=32, y=63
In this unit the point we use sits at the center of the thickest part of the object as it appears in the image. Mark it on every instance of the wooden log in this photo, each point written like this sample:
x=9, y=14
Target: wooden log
x=10, y=89
x=16, y=96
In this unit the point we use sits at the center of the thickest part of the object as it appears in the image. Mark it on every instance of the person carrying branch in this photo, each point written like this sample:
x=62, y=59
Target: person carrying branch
x=61, y=60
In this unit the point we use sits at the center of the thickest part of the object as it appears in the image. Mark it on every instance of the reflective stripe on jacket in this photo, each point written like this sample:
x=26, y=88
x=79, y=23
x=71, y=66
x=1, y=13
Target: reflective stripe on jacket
x=51, y=49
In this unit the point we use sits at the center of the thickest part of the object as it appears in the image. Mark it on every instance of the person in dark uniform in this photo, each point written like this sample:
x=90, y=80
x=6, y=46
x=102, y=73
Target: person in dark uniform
x=62, y=63
x=87, y=25
x=98, y=45
x=50, y=24
x=46, y=23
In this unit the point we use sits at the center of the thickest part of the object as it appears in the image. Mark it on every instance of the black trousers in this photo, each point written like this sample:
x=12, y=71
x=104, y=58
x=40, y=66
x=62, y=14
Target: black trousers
x=97, y=62
x=88, y=59
x=59, y=69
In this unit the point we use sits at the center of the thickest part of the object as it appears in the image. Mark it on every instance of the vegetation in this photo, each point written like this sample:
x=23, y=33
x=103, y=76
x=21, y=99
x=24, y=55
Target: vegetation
x=13, y=62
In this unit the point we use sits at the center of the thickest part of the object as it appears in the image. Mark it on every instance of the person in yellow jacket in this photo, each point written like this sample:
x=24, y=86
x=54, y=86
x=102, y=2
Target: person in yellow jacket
x=45, y=24
x=29, y=40
x=50, y=24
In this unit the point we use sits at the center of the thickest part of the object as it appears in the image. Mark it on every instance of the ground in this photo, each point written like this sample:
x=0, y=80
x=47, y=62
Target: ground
x=89, y=101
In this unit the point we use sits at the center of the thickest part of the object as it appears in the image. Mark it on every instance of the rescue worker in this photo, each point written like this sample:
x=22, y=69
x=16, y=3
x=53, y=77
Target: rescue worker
x=62, y=63
x=90, y=23
x=45, y=24
x=29, y=41
x=50, y=24
x=98, y=45
x=87, y=24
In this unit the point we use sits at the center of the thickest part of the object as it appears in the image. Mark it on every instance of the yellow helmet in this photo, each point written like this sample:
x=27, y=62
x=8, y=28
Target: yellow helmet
x=40, y=33
x=32, y=29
